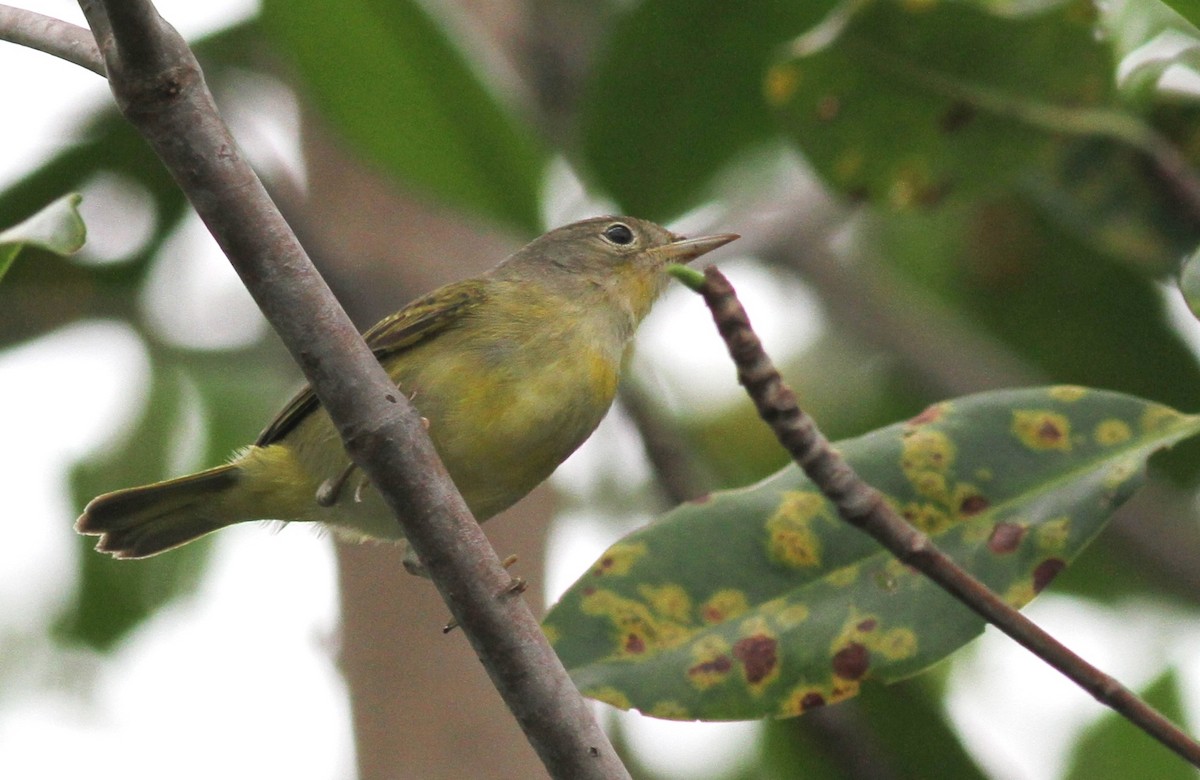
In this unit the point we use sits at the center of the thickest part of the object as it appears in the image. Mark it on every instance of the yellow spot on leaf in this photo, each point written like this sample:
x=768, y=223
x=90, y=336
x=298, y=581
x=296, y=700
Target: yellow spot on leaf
x=791, y=616
x=1158, y=417
x=781, y=83
x=670, y=601
x=1019, y=594
x=1067, y=393
x=609, y=695
x=552, y=633
x=711, y=663
x=790, y=538
x=801, y=699
x=926, y=517
x=636, y=631
x=926, y=449
x=723, y=605
x=1121, y=472
x=1042, y=429
x=619, y=559
x=840, y=578
x=1110, y=432
x=930, y=484
x=1051, y=536
x=896, y=644
x=669, y=710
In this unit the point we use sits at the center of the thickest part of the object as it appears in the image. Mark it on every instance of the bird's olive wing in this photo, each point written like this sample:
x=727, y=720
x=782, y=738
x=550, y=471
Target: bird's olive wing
x=415, y=323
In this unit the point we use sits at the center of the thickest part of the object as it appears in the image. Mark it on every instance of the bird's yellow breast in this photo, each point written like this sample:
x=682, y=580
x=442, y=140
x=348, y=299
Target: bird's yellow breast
x=505, y=409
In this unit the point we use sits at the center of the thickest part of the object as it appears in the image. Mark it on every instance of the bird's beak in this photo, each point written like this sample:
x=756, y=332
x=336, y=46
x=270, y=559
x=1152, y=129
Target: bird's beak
x=685, y=250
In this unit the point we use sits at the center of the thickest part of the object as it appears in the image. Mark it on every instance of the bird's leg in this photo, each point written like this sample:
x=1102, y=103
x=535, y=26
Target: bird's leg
x=412, y=563
x=331, y=489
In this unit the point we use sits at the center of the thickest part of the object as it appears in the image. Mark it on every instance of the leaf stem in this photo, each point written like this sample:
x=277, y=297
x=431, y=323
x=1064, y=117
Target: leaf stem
x=865, y=508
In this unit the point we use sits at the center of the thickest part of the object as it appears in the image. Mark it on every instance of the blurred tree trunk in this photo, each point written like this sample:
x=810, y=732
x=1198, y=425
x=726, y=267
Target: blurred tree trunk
x=422, y=705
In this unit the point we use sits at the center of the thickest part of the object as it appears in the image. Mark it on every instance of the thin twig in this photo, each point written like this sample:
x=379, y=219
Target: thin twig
x=53, y=36
x=159, y=87
x=864, y=507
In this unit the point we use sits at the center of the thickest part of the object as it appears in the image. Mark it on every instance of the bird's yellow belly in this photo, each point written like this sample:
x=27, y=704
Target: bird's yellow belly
x=501, y=428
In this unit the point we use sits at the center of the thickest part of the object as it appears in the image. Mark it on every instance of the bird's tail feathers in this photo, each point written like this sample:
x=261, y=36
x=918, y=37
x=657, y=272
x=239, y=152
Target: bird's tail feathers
x=143, y=521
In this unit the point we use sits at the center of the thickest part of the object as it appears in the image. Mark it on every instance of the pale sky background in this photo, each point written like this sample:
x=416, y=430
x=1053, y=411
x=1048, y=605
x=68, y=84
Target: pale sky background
x=71, y=713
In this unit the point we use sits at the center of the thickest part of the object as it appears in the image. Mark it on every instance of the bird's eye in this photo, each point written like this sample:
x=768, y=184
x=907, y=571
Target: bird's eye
x=619, y=234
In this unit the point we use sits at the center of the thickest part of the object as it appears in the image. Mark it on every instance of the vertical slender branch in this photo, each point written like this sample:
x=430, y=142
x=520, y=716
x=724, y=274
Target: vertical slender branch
x=159, y=87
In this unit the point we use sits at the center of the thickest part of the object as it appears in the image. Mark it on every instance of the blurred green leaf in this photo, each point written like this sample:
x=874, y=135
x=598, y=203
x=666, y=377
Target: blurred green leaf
x=1105, y=192
x=1114, y=748
x=908, y=104
x=113, y=597
x=57, y=228
x=37, y=297
x=1189, y=282
x=388, y=77
x=761, y=602
x=1187, y=9
x=1059, y=304
x=676, y=96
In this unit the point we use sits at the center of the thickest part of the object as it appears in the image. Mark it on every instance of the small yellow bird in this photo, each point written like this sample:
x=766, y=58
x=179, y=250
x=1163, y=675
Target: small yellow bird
x=513, y=370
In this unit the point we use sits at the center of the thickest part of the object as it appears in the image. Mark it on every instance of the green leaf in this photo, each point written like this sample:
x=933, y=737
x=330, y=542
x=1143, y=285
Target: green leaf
x=1148, y=37
x=908, y=104
x=1114, y=748
x=761, y=602
x=1104, y=192
x=1189, y=282
x=1188, y=9
x=57, y=228
x=113, y=597
x=390, y=80
x=676, y=95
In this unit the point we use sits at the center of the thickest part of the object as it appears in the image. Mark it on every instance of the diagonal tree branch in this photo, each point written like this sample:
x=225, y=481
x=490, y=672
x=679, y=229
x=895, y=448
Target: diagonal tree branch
x=53, y=36
x=864, y=507
x=159, y=87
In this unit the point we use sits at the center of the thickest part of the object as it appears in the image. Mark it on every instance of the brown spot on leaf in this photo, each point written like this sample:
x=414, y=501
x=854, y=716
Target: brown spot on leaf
x=811, y=701
x=719, y=665
x=852, y=661
x=867, y=625
x=828, y=107
x=590, y=590
x=1006, y=538
x=757, y=654
x=932, y=413
x=635, y=644
x=972, y=505
x=957, y=116
x=1046, y=571
x=933, y=194
x=702, y=499
x=603, y=565
x=1050, y=433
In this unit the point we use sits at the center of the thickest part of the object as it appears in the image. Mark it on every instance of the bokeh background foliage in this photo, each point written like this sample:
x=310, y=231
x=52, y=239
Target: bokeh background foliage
x=981, y=194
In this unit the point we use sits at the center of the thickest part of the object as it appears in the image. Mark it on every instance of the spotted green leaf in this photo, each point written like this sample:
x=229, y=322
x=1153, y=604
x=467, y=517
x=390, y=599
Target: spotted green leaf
x=57, y=228
x=907, y=104
x=761, y=602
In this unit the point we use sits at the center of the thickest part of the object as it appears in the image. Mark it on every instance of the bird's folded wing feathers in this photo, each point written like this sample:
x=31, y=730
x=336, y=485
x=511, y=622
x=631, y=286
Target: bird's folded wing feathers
x=419, y=321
